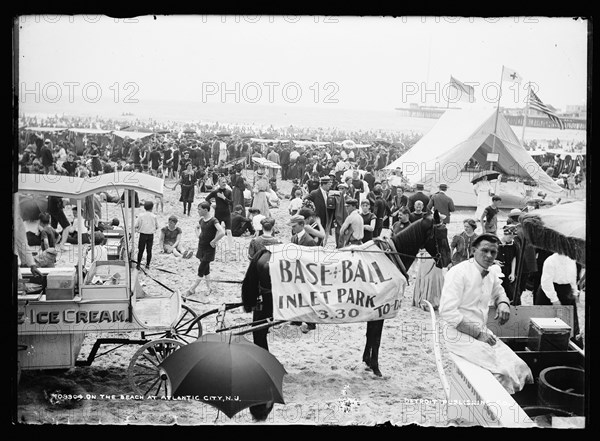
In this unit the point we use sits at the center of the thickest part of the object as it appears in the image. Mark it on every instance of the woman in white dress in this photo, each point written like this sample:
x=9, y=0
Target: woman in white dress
x=261, y=187
x=483, y=189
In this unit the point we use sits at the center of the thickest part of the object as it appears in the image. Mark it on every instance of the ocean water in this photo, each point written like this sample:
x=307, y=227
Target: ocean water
x=263, y=116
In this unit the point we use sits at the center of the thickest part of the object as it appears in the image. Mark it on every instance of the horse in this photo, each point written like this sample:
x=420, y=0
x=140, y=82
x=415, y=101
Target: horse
x=429, y=233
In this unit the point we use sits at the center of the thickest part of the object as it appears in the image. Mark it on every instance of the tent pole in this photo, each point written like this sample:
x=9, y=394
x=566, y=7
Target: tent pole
x=497, y=112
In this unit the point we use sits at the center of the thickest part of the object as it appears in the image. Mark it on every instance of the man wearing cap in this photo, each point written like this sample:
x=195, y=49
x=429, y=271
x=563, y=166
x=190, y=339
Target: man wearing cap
x=417, y=196
x=319, y=198
x=299, y=236
x=469, y=288
x=442, y=203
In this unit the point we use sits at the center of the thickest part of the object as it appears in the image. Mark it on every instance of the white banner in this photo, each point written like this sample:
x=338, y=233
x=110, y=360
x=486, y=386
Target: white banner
x=315, y=285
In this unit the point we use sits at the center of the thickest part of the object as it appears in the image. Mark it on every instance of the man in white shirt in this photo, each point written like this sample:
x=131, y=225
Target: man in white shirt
x=146, y=225
x=558, y=285
x=469, y=289
x=352, y=230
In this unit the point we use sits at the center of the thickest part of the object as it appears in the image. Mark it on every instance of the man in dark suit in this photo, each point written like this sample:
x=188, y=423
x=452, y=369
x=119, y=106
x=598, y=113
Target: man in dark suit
x=418, y=196
x=442, y=203
x=319, y=198
x=284, y=161
x=299, y=236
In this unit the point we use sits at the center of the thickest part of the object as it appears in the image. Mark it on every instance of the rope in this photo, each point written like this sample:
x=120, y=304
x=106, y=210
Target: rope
x=391, y=252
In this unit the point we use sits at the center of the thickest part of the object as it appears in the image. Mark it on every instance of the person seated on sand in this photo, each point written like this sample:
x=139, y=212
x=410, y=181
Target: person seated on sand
x=240, y=224
x=170, y=240
x=255, y=215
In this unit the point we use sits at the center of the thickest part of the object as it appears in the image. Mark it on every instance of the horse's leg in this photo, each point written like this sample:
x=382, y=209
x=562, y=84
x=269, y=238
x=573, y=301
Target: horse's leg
x=368, y=344
x=376, y=341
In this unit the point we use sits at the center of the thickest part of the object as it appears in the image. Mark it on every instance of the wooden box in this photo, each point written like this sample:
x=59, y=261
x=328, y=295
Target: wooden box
x=61, y=285
x=548, y=334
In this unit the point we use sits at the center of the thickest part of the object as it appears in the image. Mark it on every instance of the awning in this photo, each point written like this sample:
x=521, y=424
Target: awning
x=79, y=188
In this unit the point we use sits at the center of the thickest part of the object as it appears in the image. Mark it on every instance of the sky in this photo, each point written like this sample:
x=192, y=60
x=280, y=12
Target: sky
x=374, y=63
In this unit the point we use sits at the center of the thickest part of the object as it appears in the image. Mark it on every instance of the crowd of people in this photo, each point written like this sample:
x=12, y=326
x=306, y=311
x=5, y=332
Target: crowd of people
x=340, y=196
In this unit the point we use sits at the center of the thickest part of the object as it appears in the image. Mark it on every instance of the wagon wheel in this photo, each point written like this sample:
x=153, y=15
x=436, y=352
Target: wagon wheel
x=181, y=330
x=144, y=374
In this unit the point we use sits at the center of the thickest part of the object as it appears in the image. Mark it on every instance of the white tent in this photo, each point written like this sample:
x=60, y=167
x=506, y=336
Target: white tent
x=462, y=134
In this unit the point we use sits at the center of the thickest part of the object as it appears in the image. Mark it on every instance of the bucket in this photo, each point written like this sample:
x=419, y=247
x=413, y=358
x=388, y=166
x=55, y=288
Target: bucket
x=562, y=387
x=542, y=416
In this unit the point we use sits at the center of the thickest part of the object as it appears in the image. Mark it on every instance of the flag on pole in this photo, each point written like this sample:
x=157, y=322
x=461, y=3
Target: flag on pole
x=536, y=103
x=465, y=92
x=511, y=75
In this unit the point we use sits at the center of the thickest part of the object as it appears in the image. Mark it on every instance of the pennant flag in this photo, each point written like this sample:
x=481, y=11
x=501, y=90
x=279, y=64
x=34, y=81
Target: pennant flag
x=465, y=92
x=511, y=75
x=536, y=103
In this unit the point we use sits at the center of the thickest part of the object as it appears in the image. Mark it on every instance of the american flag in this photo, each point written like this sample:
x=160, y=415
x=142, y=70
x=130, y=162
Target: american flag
x=537, y=104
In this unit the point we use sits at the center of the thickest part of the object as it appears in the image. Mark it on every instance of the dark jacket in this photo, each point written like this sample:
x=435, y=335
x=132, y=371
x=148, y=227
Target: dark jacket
x=418, y=196
x=442, y=203
x=316, y=196
x=240, y=224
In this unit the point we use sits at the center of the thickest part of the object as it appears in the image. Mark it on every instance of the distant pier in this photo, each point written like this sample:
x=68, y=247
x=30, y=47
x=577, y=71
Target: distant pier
x=513, y=120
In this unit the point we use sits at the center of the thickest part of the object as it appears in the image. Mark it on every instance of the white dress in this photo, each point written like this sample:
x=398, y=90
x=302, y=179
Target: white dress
x=482, y=188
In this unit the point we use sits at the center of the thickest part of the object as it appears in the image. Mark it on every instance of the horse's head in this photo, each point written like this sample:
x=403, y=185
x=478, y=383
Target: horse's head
x=436, y=243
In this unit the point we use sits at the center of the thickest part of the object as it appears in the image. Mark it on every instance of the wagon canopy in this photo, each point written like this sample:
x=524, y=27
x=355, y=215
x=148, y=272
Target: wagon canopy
x=79, y=188
x=560, y=229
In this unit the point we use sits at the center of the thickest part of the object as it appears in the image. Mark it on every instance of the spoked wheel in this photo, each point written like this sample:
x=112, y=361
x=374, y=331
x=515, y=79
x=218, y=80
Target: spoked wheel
x=181, y=330
x=145, y=376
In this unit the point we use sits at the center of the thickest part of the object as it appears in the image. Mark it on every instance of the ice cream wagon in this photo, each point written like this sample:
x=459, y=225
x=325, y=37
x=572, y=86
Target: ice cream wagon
x=53, y=321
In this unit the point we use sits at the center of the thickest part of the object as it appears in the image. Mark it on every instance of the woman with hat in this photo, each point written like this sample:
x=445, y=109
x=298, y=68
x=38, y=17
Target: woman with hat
x=483, y=191
x=261, y=187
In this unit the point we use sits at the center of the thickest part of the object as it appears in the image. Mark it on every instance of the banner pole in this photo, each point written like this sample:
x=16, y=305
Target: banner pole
x=496, y=123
